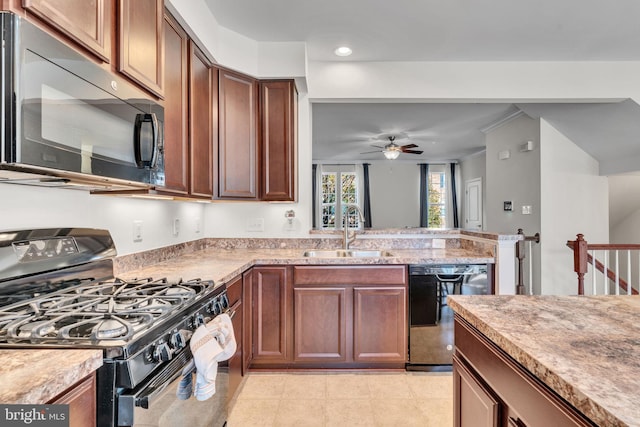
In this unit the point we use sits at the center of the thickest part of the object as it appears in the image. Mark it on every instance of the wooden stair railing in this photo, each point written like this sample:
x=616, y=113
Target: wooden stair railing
x=581, y=259
x=521, y=255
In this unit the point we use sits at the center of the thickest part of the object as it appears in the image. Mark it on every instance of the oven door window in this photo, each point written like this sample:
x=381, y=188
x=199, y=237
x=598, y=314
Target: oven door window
x=73, y=125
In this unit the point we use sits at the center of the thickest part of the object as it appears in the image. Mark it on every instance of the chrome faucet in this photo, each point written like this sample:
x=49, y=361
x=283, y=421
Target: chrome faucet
x=349, y=237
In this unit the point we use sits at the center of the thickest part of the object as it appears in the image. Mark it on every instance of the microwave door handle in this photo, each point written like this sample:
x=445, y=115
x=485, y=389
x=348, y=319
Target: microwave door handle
x=137, y=140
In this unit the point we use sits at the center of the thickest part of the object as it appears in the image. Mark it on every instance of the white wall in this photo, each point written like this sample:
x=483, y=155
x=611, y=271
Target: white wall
x=395, y=194
x=516, y=179
x=471, y=168
x=31, y=207
x=573, y=200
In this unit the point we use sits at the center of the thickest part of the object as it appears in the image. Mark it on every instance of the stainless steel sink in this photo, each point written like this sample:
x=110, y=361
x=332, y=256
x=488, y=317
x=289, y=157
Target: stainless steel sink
x=348, y=253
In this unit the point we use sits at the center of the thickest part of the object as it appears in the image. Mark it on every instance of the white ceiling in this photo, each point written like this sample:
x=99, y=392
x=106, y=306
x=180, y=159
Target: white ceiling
x=443, y=30
x=453, y=30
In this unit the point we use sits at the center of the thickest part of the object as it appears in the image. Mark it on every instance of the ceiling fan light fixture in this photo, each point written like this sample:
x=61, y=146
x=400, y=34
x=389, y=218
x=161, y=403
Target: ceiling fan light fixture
x=343, y=51
x=391, y=154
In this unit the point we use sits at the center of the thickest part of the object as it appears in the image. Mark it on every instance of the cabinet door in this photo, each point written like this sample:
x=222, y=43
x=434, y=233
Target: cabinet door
x=271, y=318
x=235, y=362
x=320, y=324
x=87, y=23
x=247, y=331
x=201, y=124
x=176, y=108
x=379, y=324
x=278, y=106
x=141, y=43
x=81, y=399
x=474, y=404
x=238, y=137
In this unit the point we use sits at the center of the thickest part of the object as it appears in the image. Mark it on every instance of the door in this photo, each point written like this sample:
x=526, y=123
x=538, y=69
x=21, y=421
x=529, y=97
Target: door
x=473, y=203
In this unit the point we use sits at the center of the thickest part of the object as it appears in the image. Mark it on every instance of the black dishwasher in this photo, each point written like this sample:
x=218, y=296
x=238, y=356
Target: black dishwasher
x=430, y=318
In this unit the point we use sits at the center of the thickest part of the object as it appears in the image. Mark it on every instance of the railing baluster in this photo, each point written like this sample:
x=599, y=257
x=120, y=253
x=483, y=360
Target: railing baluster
x=606, y=268
x=593, y=273
x=629, y=272
x=617, y=271
x=530, y=269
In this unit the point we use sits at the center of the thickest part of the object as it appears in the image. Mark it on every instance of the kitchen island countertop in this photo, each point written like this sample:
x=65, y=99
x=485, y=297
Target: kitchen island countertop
x=222, y=265
x=585, y=348
x=37, y=376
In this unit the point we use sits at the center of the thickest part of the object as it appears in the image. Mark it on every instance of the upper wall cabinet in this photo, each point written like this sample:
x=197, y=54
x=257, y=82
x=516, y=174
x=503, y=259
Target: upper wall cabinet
x=176, y=108
x=141, y=43
x=87, y=23
x=238, y=168
x=278, y=107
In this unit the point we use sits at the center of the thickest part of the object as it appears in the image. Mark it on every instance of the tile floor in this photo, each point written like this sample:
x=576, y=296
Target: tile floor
x=378, y=399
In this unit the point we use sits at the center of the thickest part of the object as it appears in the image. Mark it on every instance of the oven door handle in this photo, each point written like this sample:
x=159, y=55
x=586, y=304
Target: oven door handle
x=147, y=393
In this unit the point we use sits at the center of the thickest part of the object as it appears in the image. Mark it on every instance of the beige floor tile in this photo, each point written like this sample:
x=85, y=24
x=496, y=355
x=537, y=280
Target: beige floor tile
x=253, y=413
x=301, y=413
x=348, y=386
x=431, y=385
x=305, y=387
x=349, y=413
x=438, y=412
x=397, y=413
x=263, y=387
x=392, y=386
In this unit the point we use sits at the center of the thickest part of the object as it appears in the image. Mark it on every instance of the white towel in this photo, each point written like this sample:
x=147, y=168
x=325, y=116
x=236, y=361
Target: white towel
x=210, y=344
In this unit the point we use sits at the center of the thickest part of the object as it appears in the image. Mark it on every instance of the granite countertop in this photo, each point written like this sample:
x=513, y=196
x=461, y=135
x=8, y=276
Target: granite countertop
x=222, y=265
x=37, y=376
x=585, y=348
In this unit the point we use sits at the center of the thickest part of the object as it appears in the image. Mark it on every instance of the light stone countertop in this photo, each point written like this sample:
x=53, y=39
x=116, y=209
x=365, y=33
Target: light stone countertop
x=585, y=348
x=222, y=265
x=37, y=376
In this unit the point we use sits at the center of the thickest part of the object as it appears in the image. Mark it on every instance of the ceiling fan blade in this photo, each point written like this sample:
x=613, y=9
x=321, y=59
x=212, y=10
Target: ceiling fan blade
x=369, y=152
x=412, y=152
x=378, y=146
x=409, y=146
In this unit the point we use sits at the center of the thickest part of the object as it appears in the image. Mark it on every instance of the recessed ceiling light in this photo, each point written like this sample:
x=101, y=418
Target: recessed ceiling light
x=343, y=51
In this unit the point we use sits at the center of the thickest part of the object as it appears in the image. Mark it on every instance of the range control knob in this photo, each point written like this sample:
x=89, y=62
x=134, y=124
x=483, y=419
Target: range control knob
x=198, y=320
x=162, y=352
x=180, y=338
x=224, y=301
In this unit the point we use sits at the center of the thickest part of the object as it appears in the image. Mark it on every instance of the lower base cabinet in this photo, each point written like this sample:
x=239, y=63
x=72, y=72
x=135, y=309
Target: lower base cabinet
x=493, y=390
x=329, y=317
x=81, y=399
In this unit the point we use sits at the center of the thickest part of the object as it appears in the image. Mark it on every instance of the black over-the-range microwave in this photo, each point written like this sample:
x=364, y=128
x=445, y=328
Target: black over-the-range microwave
x=67, y=120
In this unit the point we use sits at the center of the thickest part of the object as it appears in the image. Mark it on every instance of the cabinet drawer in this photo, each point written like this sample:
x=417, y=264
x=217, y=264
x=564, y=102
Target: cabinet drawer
x=525, y=396
x=352, y=274
x=234, y=290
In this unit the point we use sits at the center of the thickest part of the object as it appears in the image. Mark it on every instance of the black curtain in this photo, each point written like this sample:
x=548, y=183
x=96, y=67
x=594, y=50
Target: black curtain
x=424, y=195
x=454, y=198
x=367, y=196
x=314, y=195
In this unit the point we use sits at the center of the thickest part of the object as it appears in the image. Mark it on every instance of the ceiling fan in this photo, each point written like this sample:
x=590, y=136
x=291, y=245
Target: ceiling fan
x=392, y=150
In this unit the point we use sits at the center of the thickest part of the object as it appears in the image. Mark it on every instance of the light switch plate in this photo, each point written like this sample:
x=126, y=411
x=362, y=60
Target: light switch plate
x=137, y=231
x=255, y=224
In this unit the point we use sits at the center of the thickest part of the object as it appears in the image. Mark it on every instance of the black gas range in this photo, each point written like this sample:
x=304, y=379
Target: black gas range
x=57, y=290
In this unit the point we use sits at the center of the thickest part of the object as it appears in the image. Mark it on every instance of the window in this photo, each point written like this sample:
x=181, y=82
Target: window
x=337, y=189
x=437, y=198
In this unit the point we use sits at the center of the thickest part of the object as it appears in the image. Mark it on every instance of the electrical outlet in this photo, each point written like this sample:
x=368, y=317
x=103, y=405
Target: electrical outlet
x=137, y=231
x=255, y=224
x=176, y=226
x=526, y=210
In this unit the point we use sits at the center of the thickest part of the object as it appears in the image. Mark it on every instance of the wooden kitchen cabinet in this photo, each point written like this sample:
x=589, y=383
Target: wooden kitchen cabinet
x=141, y=43
x=278, y=142
x=81, y=399
x=350, y=316
x=234, y=294
x=87, y=23
x=176, y=108
x=247, y=323
x=271, y=316
x=203, y=115
x=380, y=324
x=320, y=324
x=492, y=389
x=238, y=167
